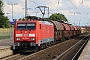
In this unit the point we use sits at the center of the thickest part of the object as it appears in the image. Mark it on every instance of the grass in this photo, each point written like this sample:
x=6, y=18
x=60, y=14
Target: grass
x=4, y=33
x=4, y=37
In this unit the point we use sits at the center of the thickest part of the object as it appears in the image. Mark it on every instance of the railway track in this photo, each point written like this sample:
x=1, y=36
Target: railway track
x=31, y=56
x=54, y=51
x=51, y=53
x=73, y=52
x=14, y=57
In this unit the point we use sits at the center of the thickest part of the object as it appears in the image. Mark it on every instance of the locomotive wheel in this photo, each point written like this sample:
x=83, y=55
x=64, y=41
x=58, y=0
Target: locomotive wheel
x=42, y=47
x=15, y=51
x=47, y=45
x=56, y=41
x=51, y=43
x=39, y=48
x=68, y=38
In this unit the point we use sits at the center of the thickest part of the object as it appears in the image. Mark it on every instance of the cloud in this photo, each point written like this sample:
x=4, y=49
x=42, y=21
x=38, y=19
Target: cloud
x=76, y=2
x=7, y=8
x=64, y=7
x=18, y=12
x=80, y=3
x=16, y=8
x=86, y=4
x=53, y=4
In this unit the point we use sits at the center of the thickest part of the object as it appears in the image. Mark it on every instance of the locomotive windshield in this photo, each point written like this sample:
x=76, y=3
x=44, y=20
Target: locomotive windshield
x=30, y=26
x=26, y=26
x=21, y=26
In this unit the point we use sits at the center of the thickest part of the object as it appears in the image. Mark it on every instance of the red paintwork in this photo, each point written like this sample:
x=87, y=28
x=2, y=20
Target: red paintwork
x=79, y=29
x=75, y=27
x=58, y=25
x=66, y=30
x=46, y=31
x=23, y=32
x=75, y=31
x=66, y=26
x=71, y=26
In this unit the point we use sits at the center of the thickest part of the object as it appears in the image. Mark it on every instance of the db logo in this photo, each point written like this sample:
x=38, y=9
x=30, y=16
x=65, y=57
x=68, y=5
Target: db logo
x=25, y=35
x=25, y=31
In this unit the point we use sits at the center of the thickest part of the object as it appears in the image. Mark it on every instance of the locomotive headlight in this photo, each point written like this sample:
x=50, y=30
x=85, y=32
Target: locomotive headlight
x=32, y=38
x=18, y=38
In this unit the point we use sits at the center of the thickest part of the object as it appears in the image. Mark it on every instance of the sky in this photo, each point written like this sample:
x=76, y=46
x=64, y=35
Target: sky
x=76, y=11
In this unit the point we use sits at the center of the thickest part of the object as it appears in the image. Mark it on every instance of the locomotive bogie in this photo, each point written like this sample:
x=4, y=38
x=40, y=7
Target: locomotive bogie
x=26, y=47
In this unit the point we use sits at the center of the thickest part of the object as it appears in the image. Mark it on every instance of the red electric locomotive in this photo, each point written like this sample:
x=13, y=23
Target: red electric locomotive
x=32, y=34
x=35, y=34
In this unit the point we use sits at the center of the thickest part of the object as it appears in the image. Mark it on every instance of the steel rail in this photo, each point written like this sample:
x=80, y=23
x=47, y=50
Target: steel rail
x=37, y=53
x=69, y=49
x=13, y=57
x=80, y=49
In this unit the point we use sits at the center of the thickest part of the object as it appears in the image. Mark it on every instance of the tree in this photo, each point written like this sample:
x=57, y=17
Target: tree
x=58, y=17
x=4, y=21
x=22, y=19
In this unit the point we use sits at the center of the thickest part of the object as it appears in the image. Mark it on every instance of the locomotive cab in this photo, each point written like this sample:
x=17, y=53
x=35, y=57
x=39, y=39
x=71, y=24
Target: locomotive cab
x=25, y=36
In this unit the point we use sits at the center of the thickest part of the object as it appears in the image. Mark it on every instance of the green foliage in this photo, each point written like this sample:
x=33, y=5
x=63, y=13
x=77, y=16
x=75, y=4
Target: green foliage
x=1, y=4
x=58, y=17
x=22, y=19
x=4, y=21
x=46, y=18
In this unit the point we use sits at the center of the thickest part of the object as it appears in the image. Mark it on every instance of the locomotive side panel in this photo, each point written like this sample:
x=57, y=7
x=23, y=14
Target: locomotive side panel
x=46, y=33
x=28, y=35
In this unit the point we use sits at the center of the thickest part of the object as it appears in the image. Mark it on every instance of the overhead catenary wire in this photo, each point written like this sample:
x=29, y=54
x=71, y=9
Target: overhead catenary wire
x=39, y=4
x=75, y=8
x=73, y=5
x=59, y=3
x=33, y=2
